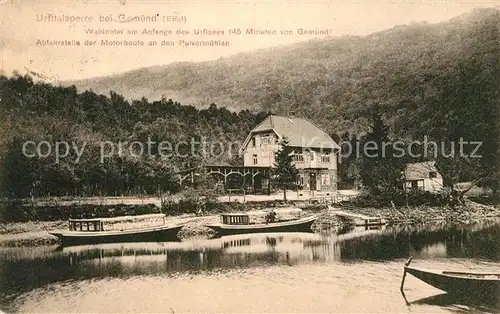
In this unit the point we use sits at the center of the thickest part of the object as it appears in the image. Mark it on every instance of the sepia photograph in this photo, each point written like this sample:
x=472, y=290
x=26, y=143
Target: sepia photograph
x=228, y=156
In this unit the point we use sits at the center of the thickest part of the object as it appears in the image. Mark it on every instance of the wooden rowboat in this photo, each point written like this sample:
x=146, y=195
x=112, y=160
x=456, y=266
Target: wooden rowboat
x=476, y=284
x=118, y=229
x=239, y=223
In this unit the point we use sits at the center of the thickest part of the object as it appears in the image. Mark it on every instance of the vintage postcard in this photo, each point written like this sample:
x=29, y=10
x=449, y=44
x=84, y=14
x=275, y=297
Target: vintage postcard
x=249, y=156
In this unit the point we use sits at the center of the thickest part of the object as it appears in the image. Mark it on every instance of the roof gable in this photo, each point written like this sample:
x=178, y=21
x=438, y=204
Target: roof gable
x=300, y=132
x=420, y=170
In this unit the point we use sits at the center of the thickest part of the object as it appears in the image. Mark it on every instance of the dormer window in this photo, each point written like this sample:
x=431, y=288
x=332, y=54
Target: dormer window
x=432, y=174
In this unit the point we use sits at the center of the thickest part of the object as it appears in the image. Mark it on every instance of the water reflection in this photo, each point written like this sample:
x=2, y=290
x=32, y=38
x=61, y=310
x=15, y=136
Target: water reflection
x=24, y=269
x=456, y=305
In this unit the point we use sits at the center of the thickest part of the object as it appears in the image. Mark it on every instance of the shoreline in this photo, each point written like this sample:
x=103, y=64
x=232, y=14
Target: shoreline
x=35, y=233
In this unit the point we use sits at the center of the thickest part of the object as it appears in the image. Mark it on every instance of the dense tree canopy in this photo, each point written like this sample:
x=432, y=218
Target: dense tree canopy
x=95, y=126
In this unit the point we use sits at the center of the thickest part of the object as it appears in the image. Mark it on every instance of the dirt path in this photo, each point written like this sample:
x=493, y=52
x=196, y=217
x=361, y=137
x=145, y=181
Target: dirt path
x=136, y=200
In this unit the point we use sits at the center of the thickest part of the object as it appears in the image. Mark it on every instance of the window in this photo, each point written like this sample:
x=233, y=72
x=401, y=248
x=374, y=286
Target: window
x=300, y=180
x=325, y=179
x=254, y=159
x=432, y=174
x=311, y=153
x=298, y=157
x=420, y=184
x=325, y=158
x=265, y=140
x=253, y=141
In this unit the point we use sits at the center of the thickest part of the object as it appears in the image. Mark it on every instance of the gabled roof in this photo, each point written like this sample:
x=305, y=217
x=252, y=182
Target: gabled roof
x=300, y=132
x=420, y=170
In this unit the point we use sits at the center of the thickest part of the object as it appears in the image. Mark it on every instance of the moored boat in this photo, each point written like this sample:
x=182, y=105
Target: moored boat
x=460, y=283
x=236, y=223
x=118, y=229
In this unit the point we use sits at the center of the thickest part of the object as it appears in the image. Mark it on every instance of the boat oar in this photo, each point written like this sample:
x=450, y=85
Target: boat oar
x=404, y=273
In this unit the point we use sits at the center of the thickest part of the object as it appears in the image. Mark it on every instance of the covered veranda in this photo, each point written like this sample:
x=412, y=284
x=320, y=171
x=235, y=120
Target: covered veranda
x=255, y=180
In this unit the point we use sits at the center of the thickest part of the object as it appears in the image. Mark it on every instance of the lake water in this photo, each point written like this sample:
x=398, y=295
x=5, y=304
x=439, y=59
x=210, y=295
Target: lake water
x=355, y=271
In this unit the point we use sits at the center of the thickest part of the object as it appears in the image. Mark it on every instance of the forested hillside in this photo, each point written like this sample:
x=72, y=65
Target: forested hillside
x=410, y=70
x=40, y=112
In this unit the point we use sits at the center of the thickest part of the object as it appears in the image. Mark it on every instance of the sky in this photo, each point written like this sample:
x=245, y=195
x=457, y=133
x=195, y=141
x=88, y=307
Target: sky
x=25, y=29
